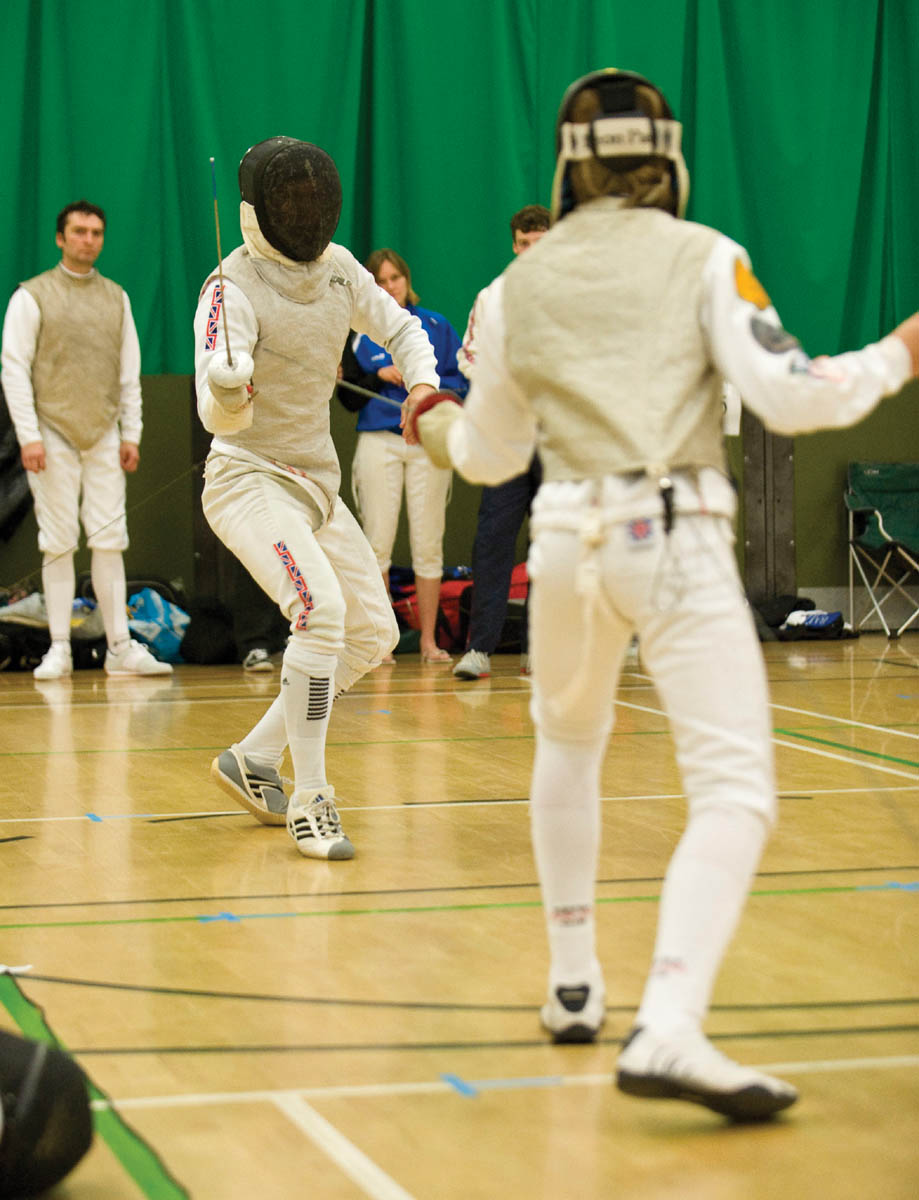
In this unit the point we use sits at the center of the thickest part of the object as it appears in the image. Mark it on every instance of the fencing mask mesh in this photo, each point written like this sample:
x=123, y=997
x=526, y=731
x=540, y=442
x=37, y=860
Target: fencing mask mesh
x=46, y=1124
x=296, y=193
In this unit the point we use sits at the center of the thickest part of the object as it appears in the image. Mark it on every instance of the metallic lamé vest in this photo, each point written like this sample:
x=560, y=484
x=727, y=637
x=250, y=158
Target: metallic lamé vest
x=299, y=344
x=77, y=365
x=603, y=335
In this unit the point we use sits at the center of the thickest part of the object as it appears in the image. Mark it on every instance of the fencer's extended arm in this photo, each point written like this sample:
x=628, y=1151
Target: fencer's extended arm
x=429, y=422
x=493, y=436
x=790, y=392
x=397, y=330
x=223, y=389
x=466, y=355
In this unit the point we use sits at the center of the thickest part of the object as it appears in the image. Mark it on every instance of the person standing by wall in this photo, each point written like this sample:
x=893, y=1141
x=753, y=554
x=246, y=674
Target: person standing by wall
x=502, y=509
x=605, y=349
x=385, y=466
x=71, y=373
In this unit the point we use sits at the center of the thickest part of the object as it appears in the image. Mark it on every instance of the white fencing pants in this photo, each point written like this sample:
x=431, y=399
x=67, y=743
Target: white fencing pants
x=384, y=465
x=322, y=574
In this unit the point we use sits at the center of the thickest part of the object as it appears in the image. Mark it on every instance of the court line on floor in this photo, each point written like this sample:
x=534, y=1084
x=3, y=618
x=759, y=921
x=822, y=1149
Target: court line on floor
x=444, y=1087
x=224, y=916
x=459, y=1046
x=852, y=762
x=42, y=704
x=366, y=809
x=354, y=1163
x=350, y=894
x=437, y=1005
x=843, y=758
x=804, y=712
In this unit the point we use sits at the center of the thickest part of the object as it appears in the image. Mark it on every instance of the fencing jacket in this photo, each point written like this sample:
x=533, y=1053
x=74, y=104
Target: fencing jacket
x=605, y=347
x=71, y=358
x=294, y=320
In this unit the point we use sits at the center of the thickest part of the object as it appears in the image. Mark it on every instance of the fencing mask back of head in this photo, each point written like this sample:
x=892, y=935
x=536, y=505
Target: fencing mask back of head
x=628, y=124
x=296, y=193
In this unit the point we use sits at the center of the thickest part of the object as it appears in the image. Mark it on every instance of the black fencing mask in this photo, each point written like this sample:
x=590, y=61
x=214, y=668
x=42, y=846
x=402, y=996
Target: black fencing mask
x=296, y=193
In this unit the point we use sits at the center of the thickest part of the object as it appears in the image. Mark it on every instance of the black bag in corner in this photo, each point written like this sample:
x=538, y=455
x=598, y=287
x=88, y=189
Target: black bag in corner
x=209, y=638
x=22, y=648
x=775, y=611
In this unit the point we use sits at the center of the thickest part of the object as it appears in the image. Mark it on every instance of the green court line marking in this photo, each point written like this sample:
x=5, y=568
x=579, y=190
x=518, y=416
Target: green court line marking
x=807, y=737
x=347, y=743
x=223, y=917
x=137, y=1158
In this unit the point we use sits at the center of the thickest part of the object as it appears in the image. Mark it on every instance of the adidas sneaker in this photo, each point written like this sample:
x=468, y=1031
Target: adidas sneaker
x=314, y=824
x=687, y=1066
x=258, y=788
x=134, y=659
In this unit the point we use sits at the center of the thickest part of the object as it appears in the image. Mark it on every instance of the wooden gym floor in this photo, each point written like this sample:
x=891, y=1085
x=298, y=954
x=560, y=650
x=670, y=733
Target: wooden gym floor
x=266, y=1025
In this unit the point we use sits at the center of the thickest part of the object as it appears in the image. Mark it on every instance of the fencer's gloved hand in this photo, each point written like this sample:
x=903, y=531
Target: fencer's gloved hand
x=229, y=383
x=430, y=423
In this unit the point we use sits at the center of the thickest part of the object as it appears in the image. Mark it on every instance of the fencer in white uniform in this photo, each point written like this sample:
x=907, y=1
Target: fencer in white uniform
x=286, y=299
x=605, y=351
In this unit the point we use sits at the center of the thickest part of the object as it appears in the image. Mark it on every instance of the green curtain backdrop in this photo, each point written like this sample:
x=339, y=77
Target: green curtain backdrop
x=800, y=120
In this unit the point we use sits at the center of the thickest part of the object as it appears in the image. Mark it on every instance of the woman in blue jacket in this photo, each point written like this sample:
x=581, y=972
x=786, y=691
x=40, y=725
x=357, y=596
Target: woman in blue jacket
x=385, y=465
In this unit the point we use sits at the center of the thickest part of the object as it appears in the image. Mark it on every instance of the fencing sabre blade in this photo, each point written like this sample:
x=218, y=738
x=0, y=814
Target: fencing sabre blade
x=223, y=296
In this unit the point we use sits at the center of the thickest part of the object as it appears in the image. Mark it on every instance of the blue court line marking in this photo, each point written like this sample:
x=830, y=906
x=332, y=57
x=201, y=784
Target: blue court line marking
x=222, y=916
x=460, y=1085
x=525, y=1081
x=119, y=817
x=471, y=1089
x=889, y=887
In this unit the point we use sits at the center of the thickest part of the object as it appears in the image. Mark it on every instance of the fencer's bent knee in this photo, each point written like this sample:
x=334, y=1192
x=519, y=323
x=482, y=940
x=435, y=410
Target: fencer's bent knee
x=569, y=722
x=300, y=656
x=317, y=619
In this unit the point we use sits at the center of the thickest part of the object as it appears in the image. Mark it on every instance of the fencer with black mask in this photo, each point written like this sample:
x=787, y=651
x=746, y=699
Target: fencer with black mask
x=605, y=350
x=288, y=297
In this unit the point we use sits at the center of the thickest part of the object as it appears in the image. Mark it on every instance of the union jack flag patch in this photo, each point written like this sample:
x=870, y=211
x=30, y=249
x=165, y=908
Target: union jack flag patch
x=213, y=318
x=296, y=578
x=640, y=529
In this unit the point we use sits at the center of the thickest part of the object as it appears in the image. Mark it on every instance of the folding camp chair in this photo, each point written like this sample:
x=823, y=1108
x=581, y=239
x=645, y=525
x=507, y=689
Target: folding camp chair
x=883, y=504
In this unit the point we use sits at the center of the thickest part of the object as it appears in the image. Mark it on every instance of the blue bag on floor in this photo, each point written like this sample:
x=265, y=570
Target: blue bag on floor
x=158, y=623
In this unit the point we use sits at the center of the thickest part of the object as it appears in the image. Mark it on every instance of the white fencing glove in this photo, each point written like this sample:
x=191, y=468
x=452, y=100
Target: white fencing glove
x=430, y=421
x=229, y=383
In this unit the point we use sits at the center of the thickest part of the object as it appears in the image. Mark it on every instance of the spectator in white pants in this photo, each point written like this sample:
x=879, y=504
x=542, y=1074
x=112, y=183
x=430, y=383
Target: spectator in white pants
x=71, y=373
x=385, y=466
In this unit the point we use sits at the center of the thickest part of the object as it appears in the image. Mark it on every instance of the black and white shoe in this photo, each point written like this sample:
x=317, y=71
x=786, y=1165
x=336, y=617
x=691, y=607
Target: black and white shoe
x=260, y=789
x=258, y=660
x=574, y=1012
x=687, y=1066
x=314, y=824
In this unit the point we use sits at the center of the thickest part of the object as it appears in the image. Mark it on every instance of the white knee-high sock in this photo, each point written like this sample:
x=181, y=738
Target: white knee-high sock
x=702, y=898
x=110, y=586
x=565, y=827
x=265, y=742
x=306, y=688
x=58, y=581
